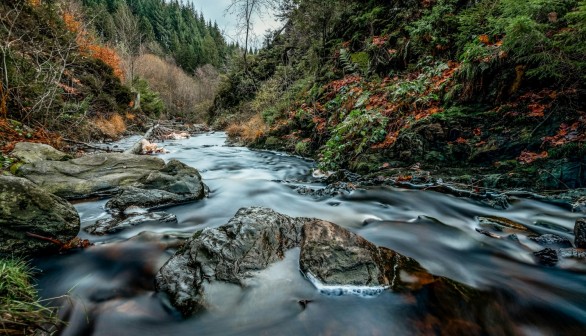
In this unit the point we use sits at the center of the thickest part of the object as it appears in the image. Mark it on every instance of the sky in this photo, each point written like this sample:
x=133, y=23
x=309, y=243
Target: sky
x=215, y=10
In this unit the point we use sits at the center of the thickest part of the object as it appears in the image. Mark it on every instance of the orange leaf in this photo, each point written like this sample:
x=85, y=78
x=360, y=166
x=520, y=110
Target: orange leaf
x=483, y=38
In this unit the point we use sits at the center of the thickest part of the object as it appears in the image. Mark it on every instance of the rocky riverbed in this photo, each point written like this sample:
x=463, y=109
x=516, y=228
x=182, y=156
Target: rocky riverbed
x=267, y=238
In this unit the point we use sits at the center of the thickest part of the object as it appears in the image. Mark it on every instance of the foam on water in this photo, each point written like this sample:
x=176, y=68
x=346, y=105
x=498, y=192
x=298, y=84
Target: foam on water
x=339, y=290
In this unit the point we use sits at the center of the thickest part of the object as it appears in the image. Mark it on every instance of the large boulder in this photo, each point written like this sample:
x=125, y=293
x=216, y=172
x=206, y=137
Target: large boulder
x=90, y=174
x=26, y=208
x=253, y=239
x=333, y=257
x=174, y=184
x=29, y=152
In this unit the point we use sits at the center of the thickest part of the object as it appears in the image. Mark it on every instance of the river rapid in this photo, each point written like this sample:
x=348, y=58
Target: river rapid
x=109, y=289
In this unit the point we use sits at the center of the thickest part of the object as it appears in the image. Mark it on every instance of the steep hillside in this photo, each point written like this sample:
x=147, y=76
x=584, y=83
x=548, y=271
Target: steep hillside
x=490, y=90
x=87, y=70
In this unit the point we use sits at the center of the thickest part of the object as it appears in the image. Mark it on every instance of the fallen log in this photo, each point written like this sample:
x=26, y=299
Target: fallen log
x=137, y=147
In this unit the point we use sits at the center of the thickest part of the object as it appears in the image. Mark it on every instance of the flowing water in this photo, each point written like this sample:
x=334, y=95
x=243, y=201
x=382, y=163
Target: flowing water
x=109, y=288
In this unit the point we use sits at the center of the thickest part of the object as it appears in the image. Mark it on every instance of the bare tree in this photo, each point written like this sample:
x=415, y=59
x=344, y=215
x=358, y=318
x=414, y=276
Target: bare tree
x=130, y=38
x=246, y=10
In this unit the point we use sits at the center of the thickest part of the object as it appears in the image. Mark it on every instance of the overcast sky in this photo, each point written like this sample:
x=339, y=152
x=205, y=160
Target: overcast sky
x=215, y=10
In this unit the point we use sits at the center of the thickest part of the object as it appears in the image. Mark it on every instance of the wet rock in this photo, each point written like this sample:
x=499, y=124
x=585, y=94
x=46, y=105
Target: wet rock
x=331, y=190
x=343, y=175
x=251, y=240
x=91, y=174
x=335, y=256
x=580, y=233
x=29, y=152
x=176, y=183
x=163, y=240
x=24, y=207
x=176, y=177
x=572, y=253
x=113, y=225
x=502, y=224
x=131, y=196
x=551, y=240
x=547, y=257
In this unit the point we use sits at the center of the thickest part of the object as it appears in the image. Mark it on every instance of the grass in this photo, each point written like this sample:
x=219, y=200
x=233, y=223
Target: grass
x=21, y=312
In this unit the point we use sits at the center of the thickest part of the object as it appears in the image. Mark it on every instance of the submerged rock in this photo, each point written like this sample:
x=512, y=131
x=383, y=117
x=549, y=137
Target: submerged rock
x=114, y=224
x=29, y=152
x=551, y=240
x=24, y=207
x=580, y=233
x=547, y=257
x=250, y=241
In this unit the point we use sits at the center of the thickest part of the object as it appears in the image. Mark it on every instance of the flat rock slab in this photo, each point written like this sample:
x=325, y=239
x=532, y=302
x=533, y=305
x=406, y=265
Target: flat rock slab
x=91, y=174
x=115, y=224
x=29, y=152
x=24, y=207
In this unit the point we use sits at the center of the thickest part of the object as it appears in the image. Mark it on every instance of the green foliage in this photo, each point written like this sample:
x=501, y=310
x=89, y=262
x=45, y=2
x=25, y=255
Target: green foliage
x=150, y=102
x=178, y=28
x=359, y=130
x=302, y=148
x=434, y=30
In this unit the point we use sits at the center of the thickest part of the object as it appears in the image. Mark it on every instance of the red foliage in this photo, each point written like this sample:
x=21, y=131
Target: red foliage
x=379, y=40
x=527, y=157
x=576, y=132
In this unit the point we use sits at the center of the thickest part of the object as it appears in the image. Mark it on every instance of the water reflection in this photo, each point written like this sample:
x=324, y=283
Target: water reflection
x=111, y=285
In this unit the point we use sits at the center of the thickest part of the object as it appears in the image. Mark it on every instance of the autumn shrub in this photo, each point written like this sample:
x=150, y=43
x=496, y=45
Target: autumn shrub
x=248, y=131
x=183, y=95
x=111, y=127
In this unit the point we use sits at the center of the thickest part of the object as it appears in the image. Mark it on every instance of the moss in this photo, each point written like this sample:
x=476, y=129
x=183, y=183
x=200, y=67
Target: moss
x=360, y=59
x=302, y=148
x=15, y=166
x=21, y=313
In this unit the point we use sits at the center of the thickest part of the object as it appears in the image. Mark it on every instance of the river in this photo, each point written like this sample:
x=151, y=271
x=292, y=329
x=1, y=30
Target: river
x=109, y=287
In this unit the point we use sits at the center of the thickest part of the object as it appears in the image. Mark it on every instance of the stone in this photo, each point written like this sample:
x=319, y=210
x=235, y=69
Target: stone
x=29, y=152
x=253, y=239
x=174, y=184
x=547, y=257
x=551, y=240
x=115, y=224
x=335, y=256
x=91, y=174
x=257, y=237
x=176, y=177
x=572, y=253
x=26, y=208
x=132, y=196
x=580, y=233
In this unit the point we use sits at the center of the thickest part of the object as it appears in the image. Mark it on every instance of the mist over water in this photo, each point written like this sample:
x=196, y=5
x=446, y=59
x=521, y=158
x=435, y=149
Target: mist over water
x=111, y=286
